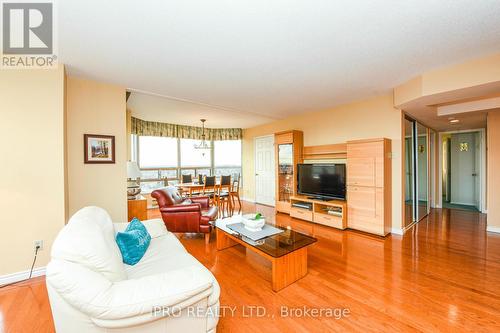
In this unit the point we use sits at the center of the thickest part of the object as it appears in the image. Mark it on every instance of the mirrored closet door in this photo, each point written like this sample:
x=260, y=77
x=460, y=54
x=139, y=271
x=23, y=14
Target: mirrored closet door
x=422, y=204
x=416, y=161
x=409, y=173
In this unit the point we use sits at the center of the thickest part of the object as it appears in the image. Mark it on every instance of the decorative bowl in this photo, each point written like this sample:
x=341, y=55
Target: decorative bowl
x=133, y=192
x=251, y=223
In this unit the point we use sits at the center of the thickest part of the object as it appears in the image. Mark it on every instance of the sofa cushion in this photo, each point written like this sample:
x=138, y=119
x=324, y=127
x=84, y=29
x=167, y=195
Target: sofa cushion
x=133, y=242
x=89, y=240
x=166, y=254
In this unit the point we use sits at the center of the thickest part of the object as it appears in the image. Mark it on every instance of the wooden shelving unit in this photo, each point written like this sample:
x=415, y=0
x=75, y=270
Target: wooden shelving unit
x=369, y=185
x=333, y=151
x=332, y=213
x=288, y=154
x=369, y=196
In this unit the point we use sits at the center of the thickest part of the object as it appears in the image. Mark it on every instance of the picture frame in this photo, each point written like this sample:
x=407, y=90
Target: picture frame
x=99, y=149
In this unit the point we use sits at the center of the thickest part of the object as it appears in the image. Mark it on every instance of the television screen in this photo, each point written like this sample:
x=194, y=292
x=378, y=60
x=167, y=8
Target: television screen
x=322, y=180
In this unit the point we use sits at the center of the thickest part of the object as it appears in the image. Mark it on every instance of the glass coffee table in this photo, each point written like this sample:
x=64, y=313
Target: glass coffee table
x=287, y=251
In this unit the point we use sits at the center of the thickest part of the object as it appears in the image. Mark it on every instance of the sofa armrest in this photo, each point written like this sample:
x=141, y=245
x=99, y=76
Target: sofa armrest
x=129, y=301
x=194, y=207
x=204, y=201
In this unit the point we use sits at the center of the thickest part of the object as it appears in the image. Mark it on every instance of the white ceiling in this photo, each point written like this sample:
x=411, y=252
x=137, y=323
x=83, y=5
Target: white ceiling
x=157, y=108
x=275, y=58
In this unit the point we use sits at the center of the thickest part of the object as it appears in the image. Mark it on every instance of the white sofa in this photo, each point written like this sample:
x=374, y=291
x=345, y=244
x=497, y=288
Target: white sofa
x=91, y=290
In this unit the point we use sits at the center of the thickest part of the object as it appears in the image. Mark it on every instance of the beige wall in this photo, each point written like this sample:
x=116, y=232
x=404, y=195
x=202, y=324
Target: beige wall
x=371, y=118
x=128, y=134
x=493, y=171
x=32, y=189
x=468, y=74
x=473, y=78
x=96, y=108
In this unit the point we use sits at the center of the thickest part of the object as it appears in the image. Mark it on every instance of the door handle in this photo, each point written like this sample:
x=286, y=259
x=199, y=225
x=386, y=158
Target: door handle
x=474, y=174
x=256, y=174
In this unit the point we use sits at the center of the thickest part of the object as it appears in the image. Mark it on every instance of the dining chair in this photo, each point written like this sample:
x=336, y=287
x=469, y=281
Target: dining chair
x=235, y=193
x=210, y=188
x=187, y=178
x=200, y=179
x=223, y=197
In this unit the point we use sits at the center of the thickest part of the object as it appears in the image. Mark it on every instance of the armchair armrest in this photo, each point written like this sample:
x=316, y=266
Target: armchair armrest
x=204, y=201
x=127, y=302
x=194, y=207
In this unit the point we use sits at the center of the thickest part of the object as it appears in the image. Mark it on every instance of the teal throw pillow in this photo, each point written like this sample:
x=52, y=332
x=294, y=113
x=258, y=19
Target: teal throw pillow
x=133, y=242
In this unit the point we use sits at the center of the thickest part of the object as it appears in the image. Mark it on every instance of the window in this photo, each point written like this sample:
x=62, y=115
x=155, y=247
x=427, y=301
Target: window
x=169, y=174
x=227, y=153
x=133, y=147
x=164, y=160
x=150, y=186
x=225, y=171
x=157, y=152
x=227, y=158
x=188, y=172
x=150, y=174
x=204, y=172
x=192, y=157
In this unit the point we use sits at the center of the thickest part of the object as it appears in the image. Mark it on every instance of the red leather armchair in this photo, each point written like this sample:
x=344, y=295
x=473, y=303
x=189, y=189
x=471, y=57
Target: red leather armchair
x=185, y=215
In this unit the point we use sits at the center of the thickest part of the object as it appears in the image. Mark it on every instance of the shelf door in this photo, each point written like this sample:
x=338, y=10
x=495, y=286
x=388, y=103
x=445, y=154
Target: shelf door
x=285, y=173
x=361, y=171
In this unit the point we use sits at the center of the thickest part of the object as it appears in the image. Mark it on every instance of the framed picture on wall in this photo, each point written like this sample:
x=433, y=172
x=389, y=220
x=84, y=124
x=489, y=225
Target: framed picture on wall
x=99, y=149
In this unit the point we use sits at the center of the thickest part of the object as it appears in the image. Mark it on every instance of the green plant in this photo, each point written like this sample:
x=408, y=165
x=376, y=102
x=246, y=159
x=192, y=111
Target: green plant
x=258, y=216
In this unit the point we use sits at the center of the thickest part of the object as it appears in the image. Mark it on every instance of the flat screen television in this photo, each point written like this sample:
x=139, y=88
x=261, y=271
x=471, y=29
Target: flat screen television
x=322, y=181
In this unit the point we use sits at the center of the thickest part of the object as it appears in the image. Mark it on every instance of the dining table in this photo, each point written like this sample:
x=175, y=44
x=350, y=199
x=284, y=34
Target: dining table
x=192, y=187
x=197, y=188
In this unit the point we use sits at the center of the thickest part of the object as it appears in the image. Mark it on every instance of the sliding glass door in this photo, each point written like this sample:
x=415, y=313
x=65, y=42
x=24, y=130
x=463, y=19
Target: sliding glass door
x=416, y=161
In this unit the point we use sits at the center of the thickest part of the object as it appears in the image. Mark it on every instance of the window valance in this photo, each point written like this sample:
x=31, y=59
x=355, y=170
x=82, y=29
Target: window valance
x=153, y=128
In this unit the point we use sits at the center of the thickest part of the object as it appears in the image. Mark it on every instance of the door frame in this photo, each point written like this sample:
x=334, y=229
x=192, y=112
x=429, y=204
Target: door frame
x=255, y=167
x=482, y=176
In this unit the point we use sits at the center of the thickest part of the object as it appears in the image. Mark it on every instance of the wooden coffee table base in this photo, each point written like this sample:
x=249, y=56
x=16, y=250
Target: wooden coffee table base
x=285, y=269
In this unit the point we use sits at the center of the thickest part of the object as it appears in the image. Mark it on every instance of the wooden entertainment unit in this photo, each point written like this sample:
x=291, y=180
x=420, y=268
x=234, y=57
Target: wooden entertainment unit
x=369, y=188
x=332, y=213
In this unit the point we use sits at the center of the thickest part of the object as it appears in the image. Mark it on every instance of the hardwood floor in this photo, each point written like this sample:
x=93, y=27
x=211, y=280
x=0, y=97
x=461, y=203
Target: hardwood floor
x=24, y=307
x=443, y=275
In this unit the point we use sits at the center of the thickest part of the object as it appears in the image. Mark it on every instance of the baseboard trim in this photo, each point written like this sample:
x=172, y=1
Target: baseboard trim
x=247, y=200
x=397, y=231
x=462, y=203
x=19, y=276
x=493, y=229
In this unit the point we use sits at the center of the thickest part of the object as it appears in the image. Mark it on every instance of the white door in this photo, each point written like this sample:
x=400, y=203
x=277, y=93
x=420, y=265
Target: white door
x=264, y=170
x=463, y=169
